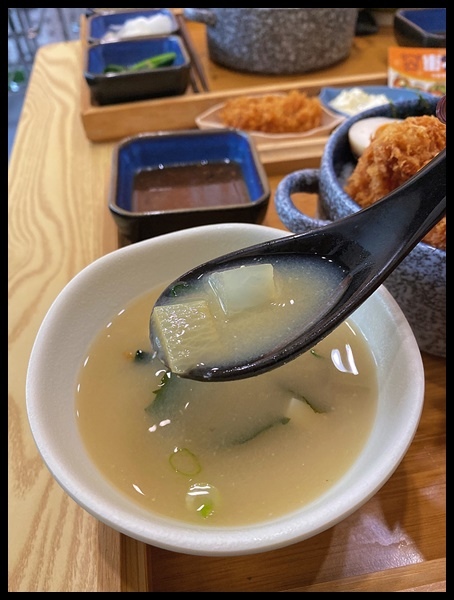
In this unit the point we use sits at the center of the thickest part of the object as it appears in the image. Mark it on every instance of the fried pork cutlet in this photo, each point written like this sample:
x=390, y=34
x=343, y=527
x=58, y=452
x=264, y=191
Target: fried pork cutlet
x=396, y=152
x=294, y=112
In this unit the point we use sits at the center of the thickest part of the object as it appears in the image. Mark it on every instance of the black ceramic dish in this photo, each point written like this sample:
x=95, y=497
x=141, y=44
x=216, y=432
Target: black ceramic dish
x=99, y=25
x=163, y=204
x=134, y=85
x=418, y=27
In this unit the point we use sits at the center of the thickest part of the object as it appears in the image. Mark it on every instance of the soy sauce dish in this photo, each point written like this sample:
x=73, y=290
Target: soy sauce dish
x=167, y=181
x=204, y=468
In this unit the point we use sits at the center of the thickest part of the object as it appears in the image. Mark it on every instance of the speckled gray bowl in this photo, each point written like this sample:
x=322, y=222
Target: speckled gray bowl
x=419, y=282
x=277, y=40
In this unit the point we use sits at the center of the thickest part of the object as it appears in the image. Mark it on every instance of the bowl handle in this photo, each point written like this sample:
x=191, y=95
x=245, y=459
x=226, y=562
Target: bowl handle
x=306, y=180
x=202, y=15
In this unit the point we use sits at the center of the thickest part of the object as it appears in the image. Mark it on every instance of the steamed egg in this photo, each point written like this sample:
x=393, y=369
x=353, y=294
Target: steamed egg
x=361, y=132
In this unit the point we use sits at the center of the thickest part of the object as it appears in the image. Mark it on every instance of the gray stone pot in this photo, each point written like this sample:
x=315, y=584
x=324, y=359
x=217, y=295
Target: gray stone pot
x=277, y=40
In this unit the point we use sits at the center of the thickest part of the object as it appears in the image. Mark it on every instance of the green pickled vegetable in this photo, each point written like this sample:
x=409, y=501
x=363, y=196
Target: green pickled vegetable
x=165, y=59
x=114, y=69
x=161, y=60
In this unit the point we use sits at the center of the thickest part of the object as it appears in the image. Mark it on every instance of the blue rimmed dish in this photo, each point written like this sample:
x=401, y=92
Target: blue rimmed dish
x=393, y=95
x=420, y=27
x=134, y=84
x=167, y=181
x=103, y=27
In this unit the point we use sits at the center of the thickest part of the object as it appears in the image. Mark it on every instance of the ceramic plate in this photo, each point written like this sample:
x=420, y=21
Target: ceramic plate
x=211, y=119
x=327, y=94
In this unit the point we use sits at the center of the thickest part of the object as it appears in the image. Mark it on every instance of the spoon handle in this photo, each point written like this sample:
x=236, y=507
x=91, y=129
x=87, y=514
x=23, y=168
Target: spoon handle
x=367, y=246
x=375, y=239
x=390, y=228
x=372, y=242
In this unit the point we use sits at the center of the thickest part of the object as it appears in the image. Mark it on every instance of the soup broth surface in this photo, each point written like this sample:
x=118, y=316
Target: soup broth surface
x=225, y=453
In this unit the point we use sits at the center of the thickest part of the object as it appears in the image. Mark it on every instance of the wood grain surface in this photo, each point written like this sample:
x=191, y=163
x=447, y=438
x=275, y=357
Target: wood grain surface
x=58, y=223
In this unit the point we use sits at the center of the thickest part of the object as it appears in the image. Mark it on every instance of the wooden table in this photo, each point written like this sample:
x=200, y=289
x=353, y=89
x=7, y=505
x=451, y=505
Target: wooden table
x=59, y=222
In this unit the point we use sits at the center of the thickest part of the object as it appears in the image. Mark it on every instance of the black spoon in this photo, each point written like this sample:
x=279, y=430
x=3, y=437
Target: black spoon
x=367, y=246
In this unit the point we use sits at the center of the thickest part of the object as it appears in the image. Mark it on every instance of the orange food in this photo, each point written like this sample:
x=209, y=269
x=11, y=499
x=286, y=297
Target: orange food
x=295, y=112
x=396, y=152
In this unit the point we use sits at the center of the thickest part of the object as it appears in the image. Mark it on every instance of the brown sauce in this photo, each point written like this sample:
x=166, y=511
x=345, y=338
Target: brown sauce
x=189, y=186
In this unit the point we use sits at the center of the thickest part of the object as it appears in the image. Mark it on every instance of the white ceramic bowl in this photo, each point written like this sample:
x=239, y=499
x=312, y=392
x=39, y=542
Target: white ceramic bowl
x=96, y=293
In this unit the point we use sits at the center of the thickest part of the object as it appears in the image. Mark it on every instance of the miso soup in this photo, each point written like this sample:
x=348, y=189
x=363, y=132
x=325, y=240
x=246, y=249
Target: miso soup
x=224, y=453
x=231, y=316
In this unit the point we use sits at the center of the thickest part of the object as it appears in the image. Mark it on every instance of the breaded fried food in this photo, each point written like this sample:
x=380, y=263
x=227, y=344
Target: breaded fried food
x=295, y=112
x=396, y=152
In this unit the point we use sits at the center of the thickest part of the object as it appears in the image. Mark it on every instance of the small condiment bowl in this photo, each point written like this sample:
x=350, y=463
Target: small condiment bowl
x=174, y=180
x=100, y=26
x=420, y=27
x=141, y=84
x=329, y=94
x=99, y=293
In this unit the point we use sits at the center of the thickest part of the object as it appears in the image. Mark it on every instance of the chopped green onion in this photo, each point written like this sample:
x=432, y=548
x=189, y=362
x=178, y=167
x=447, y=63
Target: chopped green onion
x=203, y=499
x=185, y=462
x=206, y=509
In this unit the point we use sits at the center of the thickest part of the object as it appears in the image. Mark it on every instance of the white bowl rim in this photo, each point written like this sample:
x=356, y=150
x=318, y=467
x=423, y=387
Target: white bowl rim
x=112, y=509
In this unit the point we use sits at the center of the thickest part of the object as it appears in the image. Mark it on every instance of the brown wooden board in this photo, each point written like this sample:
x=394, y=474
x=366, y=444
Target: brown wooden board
x=114, y=122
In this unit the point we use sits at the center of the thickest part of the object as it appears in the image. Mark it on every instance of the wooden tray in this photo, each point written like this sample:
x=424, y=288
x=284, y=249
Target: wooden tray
x=395, y=542
x=114, y=122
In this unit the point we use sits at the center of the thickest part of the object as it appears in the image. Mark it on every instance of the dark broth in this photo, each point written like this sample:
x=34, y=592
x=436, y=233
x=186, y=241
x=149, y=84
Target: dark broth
x=189, y=186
